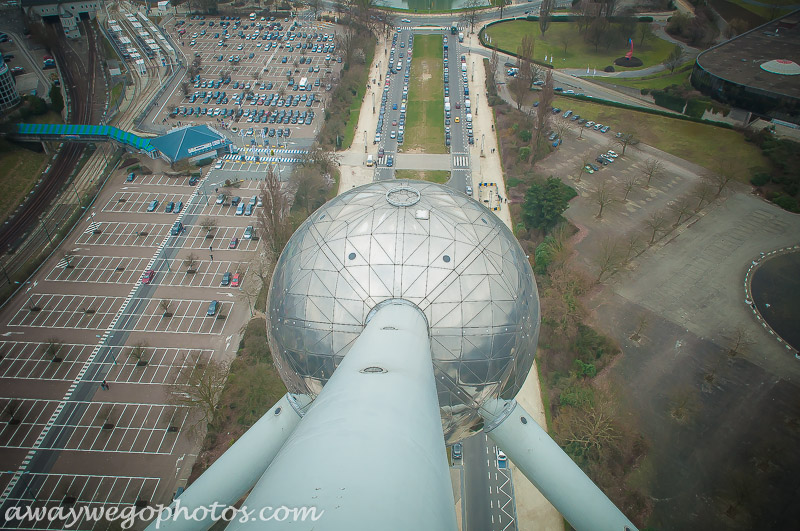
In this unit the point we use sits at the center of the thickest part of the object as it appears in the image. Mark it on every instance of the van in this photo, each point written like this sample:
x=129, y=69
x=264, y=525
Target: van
x=370, y=161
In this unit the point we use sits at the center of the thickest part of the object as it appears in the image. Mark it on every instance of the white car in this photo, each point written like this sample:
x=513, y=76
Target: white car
x=218, y=165
x=406, y=20
x=501, y=457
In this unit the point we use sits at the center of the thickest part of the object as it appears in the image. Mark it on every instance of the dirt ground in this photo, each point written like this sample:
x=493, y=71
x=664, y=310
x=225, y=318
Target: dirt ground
x=721, y=428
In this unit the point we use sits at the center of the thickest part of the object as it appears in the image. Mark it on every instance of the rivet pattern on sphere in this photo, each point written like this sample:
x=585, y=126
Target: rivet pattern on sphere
x=482, y=305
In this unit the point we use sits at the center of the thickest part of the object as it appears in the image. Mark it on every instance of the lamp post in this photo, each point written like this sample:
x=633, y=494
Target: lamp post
x=373, y=106
x=365, y=141
x=483, y=137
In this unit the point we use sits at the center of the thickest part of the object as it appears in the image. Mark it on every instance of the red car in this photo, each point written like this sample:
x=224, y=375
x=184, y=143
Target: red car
x=236, y=279
x=148, y=277
x=234, y=243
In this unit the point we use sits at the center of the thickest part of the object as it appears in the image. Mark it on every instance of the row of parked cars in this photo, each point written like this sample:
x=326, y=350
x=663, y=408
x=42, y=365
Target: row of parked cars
x=603, y=158
x=395, y=67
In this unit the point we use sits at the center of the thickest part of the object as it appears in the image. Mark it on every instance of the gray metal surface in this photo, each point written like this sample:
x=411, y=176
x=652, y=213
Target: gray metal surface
x=369, y=453
x=551, y=470
x=439, y=250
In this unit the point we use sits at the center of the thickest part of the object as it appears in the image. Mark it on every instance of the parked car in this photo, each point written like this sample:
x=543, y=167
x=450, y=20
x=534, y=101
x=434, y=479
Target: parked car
x=131, y=177
x=237, y=278
x=176, y=228
x=457, y=451
x=226, y=279
x=234, y=243
x=212, y=308
x=248, y=232
x=148, y=276
x=153, y=205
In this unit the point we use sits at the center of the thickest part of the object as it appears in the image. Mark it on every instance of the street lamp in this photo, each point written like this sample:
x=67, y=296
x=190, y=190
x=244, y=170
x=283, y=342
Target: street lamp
x=365, y=140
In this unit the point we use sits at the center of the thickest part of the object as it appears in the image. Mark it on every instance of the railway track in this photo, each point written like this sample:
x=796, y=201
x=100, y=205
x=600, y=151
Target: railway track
x=79, y=78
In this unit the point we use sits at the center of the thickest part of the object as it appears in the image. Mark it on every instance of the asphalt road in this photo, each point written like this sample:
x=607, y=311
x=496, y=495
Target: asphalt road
x=489, y=494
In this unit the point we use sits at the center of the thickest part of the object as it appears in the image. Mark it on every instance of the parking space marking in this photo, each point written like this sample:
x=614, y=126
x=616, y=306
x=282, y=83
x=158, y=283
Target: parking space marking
x=189, y=316
x=50, y=490
x=121, y=427
x=138, y=201
x=34, y=361
x=207, y=273
x=99, y=270
x=122, y=234
x=84, y=312
x=162, y=180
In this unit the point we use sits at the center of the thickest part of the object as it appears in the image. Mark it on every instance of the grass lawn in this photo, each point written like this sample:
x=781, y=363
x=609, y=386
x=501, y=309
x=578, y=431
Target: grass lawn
x=434, y=176
x=579, y=53
x=425, y=109
x=116, y=92
x=49, y=117
x=653, y=81
x=19, y=170
x=698, y=143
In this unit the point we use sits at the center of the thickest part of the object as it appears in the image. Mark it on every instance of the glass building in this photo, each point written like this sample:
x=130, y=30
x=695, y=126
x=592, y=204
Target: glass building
x=9, y=96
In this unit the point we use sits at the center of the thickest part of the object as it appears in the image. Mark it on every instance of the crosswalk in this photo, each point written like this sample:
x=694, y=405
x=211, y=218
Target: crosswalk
x=461, y=161
x=91, y=228
x=268, y=149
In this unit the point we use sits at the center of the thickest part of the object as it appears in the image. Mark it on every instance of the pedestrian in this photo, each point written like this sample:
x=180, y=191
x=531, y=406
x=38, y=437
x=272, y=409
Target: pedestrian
x=104, y=385
x=212, y=257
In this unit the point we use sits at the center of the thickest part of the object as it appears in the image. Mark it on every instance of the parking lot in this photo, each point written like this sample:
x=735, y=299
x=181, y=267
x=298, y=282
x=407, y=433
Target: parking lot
x=270, y=75
x=90, y=317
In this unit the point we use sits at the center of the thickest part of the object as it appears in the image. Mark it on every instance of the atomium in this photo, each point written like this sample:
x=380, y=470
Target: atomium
x=425, y=244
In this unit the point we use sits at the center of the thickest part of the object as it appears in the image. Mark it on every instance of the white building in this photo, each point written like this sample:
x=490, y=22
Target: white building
x=69, y=13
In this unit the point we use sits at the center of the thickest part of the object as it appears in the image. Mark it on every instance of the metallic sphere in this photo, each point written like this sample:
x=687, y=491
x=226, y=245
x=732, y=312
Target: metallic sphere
x=428, y=245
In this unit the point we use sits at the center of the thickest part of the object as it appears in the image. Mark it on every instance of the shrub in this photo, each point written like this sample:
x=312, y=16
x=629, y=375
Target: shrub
x=525, y=135
x=786, y=202
x=609, y=68
x=759, y=179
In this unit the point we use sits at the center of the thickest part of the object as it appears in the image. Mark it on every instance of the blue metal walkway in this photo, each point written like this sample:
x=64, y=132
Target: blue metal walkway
x=85, y=132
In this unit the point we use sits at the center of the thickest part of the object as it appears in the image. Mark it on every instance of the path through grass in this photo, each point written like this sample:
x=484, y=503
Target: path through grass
x=425, y=109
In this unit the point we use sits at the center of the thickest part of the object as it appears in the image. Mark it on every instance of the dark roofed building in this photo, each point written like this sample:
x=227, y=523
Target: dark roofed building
x=756, y=71
x=190, y=142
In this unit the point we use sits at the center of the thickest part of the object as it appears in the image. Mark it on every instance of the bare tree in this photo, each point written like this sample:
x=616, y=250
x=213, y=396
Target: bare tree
x=208, y=224
x=681, y=208
x=544, y=14
x=603, y=196
x=740, y=341
x=273, y=218
x=543, y=113
x=200, y=387
x=721, y=177
x=471, y=13
x=562, y=126
x=565, y=39
x=250, y=287
x=655, y=223
x=11, y=409
x=494, y=63
x=652, y=168
x=521, y=84
x=629, y=184
x=645, y=32
x=702, y=192
x=68, y=256
x=190, y=262
x=53, y=348
x=633, y=245
x=138, y=353
x=315, y=6
x=609, y=258
x=166, y=307
x=582, y=168
x=674, y=58
x=590, y=426
x=641, y=324
x=626, y=139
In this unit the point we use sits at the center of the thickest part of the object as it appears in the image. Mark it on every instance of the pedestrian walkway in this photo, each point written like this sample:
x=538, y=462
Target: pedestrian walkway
x=461, y=161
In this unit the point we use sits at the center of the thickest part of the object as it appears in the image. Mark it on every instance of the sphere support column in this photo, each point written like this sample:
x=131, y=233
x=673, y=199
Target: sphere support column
x=370, y=452
x=552, y=471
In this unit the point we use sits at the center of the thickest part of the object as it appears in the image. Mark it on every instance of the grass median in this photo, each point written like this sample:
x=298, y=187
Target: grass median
x=425, y=109
x=434, y=176
x=20, y=168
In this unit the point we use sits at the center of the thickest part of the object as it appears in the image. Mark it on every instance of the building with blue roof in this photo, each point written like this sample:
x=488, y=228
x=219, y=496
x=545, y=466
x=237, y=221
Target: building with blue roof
x=190, y=142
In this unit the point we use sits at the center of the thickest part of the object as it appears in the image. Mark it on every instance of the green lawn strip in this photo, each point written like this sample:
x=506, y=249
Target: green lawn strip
x=116, y=92
x=434, y=176
x=580, y=54
x=425, y=108
x=764, y=12
x=702, y=144
x=49, y=117
x=19, y=170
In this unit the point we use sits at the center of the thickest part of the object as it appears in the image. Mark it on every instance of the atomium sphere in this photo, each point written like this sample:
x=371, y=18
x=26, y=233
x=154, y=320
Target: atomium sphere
x=431, y=246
